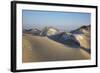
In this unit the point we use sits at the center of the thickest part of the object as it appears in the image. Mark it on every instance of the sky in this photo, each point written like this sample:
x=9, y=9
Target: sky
x=64, y=21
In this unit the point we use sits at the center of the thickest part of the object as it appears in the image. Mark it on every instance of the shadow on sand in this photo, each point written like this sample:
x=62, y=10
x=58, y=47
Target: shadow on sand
x=70, y=43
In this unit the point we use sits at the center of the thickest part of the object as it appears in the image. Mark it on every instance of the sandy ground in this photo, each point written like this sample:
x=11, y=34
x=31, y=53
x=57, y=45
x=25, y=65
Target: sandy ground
x=84, y=41
x=38, y=49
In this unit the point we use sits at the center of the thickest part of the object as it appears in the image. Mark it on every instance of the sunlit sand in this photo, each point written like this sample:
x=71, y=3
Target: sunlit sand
x=41, y=49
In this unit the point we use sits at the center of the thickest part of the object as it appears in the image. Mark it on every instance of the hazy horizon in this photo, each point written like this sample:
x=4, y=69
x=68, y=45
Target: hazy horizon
x=65, y=21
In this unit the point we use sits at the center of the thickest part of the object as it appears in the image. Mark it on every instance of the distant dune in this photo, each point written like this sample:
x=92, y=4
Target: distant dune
x=84, y=36
x=39, y=49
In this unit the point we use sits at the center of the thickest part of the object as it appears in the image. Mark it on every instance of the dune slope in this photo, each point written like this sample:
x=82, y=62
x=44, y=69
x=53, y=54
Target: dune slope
x=38, y=49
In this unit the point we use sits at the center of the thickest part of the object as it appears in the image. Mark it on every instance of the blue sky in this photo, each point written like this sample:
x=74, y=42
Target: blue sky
x=65, y=21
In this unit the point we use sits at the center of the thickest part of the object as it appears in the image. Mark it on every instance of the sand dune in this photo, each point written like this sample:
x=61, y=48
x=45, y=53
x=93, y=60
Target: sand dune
x=83, y=40
x=38, y=49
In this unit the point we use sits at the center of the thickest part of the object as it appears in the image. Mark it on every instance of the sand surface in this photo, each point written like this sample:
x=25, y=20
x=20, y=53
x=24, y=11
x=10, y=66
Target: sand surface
x=83, y=40
x=38, y=49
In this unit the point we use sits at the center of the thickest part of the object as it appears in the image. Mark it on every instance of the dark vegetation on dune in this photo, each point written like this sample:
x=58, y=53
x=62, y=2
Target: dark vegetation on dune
x=65, y=39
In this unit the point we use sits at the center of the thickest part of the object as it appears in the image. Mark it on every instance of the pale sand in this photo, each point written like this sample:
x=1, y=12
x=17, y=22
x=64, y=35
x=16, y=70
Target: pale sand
x=39, y=49
x=83, y=40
